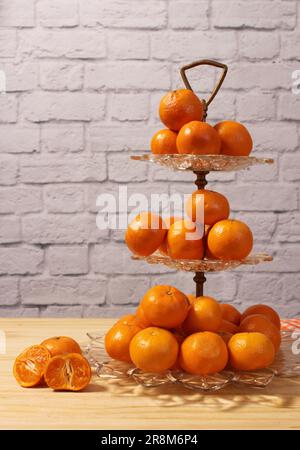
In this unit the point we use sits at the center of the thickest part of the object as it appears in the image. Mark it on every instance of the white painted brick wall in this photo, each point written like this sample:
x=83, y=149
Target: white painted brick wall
x=83, y=82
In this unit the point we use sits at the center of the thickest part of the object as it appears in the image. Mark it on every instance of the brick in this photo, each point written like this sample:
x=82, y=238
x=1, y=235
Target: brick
x=291, y=286
x=288, y=229
x=223, y=107
x=127, y=44
x=45, y=106
x=8, y=43
x=289, y=106
x=61, y=229
x=62, y=138
x=17, y=13
x=20, y=77
x=189, y=14
x=256, y=107
x=19, y=312
x=57, y=13
x=260, y=288
x=68, y=260
x=290, y=167
x=122, y=169
x=129, y=107
x=258, y=44
x=61, y=76
x=116, y=258
x=77, y=43
x=19, y=139
x=8, y=170
x=54, y=169
x=160, y=173
x=126, y=290
x=290, y=42
x=222, y=287
x=286, y=259
x=20, y=199
x=110, y=138
x=10, y=229
x=127, y=75
x=8, y=108
x=119, y=14
x=274, y=136
x=109, y=312
x=260, y=75
x=64, y=199
x=63, y=291
x=21, y=260
x=262, y=197
x=62, y=311
x=254, y=14
x=176, y=45
x=262, y=172
x=9, y=291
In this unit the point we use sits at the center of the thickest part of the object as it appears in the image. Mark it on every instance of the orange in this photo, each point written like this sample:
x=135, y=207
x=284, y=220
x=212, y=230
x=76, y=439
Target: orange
x=215, y=206
x=250, y=351
x=230, y=313
x=225, y=335
x=235, y=138
x=198, y=138
x=61, y=344
x=265, y=310
x=154, y=349
x=180, y=107
x=165, y=306
x=203, y=353
x=68, y=372
x=145, y=234
x=163, y=248
x=230, y=239
x=164, y=142
x=179, y=338
x=128, y=319
x=30, y=365
x=185, y=241
x=262, y=324
x=191, y=298
x=141, y=319
x=117, y=340
x=228, y=327
x=204, y=315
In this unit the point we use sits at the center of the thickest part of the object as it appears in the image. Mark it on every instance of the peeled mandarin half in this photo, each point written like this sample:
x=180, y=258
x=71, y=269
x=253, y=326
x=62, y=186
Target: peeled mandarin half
x=30, y=365
x=69, y=372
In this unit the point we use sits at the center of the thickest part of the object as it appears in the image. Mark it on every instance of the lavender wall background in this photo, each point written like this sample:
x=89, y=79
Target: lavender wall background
x=83, y=83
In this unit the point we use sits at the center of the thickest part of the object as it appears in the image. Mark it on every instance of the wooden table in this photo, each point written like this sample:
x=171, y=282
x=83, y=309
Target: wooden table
x=106, y=406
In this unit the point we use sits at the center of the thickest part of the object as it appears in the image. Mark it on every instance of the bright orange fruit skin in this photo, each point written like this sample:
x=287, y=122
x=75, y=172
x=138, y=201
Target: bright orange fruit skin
x=179, y=246
x=180, y=107
x=163, y=248
x=61, y=344
x=30, y=365
x=145, y=234
x=216, y=206
x=68, y=372
x=165, y=306
x=265, y=310
x=235, y=138
x=230, y=313
x=250, y=351
x=117, y=341
x=228, y=327
x=204, y=315
x=203, y=353
x=154, y=350
x=198, y=138
x=261, y=324
x=164, y=142
x=230, y=240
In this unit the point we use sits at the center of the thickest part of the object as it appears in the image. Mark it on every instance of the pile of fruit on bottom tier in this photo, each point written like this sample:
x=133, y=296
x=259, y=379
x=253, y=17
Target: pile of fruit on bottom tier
x=174, y=331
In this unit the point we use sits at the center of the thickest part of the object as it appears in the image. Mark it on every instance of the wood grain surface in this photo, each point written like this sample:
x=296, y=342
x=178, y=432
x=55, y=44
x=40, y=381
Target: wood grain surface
x=109, y=406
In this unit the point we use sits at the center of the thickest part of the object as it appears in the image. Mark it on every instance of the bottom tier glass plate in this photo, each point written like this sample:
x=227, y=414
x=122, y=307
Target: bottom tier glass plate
x=286, y=364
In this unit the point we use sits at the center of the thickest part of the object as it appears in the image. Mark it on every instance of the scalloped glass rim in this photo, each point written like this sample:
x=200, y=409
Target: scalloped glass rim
x=203, y=163
x=203, y=265
x=286, y=365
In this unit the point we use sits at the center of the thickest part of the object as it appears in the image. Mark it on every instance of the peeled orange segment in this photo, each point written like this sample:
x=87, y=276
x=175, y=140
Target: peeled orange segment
x=30, y=365
x=69, y=372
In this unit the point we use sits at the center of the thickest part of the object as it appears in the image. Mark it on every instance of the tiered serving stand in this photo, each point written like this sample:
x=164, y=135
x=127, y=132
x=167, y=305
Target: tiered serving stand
x=286, y=363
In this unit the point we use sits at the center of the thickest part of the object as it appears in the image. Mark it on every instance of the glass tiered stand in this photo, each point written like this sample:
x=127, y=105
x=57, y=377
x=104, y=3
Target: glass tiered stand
x=287, y=362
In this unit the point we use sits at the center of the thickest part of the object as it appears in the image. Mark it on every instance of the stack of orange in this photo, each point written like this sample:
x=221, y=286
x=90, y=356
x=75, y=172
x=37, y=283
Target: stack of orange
x=57, y=362
x=171, y=330
x=181, y=111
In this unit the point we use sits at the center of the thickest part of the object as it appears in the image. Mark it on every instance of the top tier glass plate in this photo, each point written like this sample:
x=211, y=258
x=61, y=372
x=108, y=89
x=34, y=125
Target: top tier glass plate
x=203, y=163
